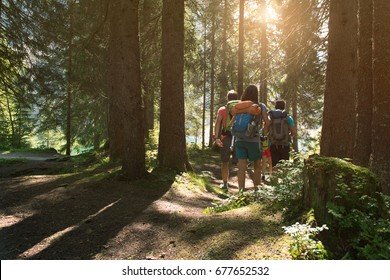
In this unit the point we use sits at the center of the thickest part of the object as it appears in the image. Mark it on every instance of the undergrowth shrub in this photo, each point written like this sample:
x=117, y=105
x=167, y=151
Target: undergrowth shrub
x=304, y=244
x=360, y=222
x=287, y=183
x=151, y=149
x=284, y=193
x=233, y=202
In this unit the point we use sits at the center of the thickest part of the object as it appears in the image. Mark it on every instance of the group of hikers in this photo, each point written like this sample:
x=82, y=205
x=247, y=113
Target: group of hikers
x=246, y=131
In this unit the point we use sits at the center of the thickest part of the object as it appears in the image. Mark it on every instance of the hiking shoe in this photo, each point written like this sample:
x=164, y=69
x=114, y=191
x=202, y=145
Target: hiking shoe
x=223, y=187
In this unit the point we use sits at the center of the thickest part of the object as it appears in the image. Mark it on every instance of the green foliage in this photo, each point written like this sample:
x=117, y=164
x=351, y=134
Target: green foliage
x=202, y=181
x=89, y=160
x=361, y=222
x=192, y=181
x=304, y=245
x=287, y=181
x=233, y=202
x=283, y=194
x=151, y=150
x=199, y=156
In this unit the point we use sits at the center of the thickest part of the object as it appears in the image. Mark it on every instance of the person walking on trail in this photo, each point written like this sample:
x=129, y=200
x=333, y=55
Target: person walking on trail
x=267, y=159
x=282, y=130
x=223, y=136
x=248, y=116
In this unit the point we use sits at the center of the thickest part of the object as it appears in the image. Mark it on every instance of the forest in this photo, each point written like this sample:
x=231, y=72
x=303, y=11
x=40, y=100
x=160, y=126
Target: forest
x=107, y=113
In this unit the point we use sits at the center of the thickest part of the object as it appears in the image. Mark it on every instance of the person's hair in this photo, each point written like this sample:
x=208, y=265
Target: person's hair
x=280, y=104
x=251, y=93
x=232, y=95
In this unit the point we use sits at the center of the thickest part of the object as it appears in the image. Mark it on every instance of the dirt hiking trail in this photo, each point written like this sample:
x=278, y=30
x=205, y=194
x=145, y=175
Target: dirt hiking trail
x=93, y=215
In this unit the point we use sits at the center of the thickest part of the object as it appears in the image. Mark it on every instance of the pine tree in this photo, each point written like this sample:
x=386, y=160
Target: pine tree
x=172, y=151
x=380, y=157
x=240, y=86
x=339, y=117
x=362, y=149
x=126, y=130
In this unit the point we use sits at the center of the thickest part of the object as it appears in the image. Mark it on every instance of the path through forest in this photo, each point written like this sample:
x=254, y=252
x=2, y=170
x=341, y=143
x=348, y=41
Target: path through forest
x=93, y=215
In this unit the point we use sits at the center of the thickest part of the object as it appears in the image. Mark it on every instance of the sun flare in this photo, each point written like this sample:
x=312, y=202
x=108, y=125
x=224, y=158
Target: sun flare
x=269, y=13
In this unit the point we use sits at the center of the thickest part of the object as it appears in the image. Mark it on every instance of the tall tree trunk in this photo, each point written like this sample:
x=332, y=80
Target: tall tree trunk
x=117, y=76
x=146, y=41
x=380, y=157
x=212, y=73
x=291, y=86
x=240, y=75
x=339, y=118
x=263, y=52
x=204, y=84
x=69, y=81
x=96, y=132
x=11, y=119
x=362, y=149
x=126, y=111
x=20, y=124
x=294, y=106
x=172, y=152
x=224, y=79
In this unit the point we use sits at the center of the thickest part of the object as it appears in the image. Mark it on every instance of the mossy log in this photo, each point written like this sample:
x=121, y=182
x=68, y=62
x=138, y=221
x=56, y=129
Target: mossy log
x=323, y=177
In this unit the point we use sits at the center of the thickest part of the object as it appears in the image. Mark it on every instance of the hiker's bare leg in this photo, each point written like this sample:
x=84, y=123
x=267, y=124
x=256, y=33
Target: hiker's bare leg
x=257, y=173
x=225, y=172
x=241, y=174
x=270, y=166
x=264, y=165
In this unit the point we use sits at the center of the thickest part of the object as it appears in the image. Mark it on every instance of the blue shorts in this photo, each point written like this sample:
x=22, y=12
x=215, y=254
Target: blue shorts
x=248, y=150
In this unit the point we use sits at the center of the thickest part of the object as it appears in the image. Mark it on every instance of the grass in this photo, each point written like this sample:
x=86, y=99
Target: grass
x=199, y=156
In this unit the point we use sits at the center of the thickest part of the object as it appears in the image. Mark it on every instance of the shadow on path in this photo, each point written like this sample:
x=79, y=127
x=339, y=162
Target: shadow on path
x=74, y=221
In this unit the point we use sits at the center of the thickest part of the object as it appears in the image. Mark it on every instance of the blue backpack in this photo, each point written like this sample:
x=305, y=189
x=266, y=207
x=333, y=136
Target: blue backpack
x=246, y=126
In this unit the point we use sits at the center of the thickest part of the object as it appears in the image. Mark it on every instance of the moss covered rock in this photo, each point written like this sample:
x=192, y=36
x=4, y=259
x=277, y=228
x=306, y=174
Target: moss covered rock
x=330, y=180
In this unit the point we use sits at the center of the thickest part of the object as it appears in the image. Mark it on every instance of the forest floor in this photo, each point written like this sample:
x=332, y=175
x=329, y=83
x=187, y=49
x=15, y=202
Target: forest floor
x=50, y=210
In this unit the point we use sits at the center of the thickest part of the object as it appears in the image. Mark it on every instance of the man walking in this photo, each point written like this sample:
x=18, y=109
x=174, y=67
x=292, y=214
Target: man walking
x=223, y=136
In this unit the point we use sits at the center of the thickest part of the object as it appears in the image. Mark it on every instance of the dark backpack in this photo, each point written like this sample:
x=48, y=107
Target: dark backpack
x=279, y=130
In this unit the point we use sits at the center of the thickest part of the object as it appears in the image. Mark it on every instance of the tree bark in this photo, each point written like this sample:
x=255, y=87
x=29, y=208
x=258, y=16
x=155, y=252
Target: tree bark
x=172, y=151
x=212, y=74
x=126, y=111
x=146, y=42
x=204, y=84
x=11, y=119
x=240, y=75
x=339, y=116
x=380, y=157
x=224, y=79
x=263, y=53
x=362, y=149
x=69, y=81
